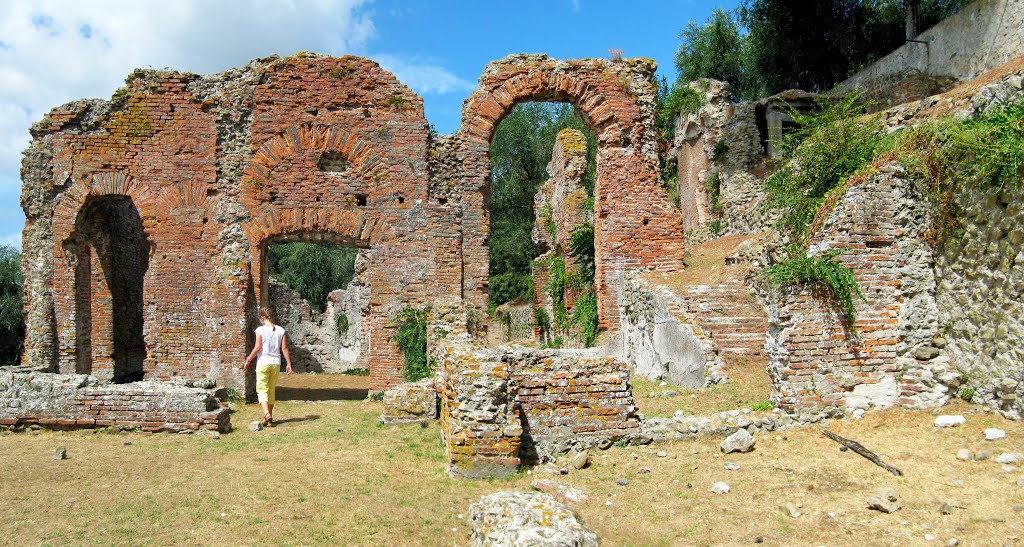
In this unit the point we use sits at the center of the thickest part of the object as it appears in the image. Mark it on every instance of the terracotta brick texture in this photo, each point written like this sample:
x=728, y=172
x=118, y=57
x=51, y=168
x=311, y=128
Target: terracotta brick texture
x=149, y=215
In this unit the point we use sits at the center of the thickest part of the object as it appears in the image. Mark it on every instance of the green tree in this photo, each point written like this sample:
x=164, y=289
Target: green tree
x=815, y=44
x=520, y=152
x=12, y=323
x=713, y=50
x=313, y=269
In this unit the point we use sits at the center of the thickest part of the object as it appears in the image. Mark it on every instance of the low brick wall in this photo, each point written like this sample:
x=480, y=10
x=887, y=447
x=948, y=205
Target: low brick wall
x=479, y=417
x=569, y=398
x=69, y=401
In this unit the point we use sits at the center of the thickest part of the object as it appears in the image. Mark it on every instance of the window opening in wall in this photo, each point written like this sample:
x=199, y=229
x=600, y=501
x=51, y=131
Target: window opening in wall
x=111, y=254
x=319, y=298
x=541, y=284
x=332, y=163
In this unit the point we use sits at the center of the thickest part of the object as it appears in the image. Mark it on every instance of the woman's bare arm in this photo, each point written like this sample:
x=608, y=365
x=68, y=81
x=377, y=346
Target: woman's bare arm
x=255, y=351
x=284, y=350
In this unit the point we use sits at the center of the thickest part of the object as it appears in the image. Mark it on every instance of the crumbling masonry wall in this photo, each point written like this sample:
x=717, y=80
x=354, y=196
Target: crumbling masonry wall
x=560, y=209
x=943, y=310
x=305, y=148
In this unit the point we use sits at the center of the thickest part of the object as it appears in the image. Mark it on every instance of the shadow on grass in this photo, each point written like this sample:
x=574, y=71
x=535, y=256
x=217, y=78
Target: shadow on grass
x=306, y=418
x=320, y=394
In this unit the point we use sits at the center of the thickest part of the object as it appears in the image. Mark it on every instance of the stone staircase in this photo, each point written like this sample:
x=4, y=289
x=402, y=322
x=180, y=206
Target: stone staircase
x=716, y=295
x=730, y=315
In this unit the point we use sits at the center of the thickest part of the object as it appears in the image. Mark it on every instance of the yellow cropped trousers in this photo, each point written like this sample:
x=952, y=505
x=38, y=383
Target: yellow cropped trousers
x=266, y=382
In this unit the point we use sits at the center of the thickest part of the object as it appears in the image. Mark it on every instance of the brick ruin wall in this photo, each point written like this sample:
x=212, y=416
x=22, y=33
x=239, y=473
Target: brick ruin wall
x=67, y=401
x=720, y=146
x=149, y=216
x=943, y=312
x=500, y=408
x=212, y=170
x=618, y=100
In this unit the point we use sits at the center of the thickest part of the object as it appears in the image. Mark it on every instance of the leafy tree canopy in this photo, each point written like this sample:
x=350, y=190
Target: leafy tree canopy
x=12, y=324
x=313, y=269
x=767, y=46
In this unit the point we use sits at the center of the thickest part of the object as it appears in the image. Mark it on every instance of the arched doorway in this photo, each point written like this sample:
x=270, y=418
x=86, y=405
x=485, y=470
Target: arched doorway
x=111, y=256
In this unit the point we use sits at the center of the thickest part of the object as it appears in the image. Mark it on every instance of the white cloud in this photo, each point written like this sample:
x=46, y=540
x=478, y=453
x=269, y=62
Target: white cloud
x=423, y=77
x=54, y=51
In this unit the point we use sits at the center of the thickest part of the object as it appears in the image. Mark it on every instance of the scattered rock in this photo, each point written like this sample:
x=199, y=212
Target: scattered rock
x=948, y=507
x=964, y=455
x=994, y=434
x=605, y=444
x=563, y=471
x=526, y=518
x=1010, y=457
x=886, y=501
x=740, y=441
x=255, y=426
x=929, y=537
x=730, y=466
x=926, y=353
x=982, y=455
x=953, y=542
x=720, y=488
x=644, y=470
x=1009, y=468
x=950, y=421
x=563, y=492
x=662, y=454
x=581, y=459
x=621, y=481
x=127, y=443
x=61, y=453
x=790, y=509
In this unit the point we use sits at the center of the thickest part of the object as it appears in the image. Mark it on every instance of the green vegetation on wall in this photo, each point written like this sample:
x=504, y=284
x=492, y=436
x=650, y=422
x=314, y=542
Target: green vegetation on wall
x=819, y=156
x=411, y=339
x=822, y=271
x=313, y=269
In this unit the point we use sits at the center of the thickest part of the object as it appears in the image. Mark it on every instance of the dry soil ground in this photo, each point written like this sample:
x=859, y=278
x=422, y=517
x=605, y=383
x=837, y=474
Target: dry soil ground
x=330, y=474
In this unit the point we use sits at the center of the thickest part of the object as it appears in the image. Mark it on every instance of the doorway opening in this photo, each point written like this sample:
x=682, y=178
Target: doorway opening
x=322, y=301
x=541, y=203
x=111, y=256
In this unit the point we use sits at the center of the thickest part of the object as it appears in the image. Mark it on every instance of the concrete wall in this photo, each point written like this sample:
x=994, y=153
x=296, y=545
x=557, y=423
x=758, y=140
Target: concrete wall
x=976, y=39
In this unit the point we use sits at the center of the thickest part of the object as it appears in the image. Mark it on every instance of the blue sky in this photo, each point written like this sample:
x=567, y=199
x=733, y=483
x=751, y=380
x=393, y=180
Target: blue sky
x=54, y=51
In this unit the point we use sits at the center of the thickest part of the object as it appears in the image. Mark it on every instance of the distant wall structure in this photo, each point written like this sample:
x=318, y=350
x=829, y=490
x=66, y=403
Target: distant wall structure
x=149, y=216
x=976, y=39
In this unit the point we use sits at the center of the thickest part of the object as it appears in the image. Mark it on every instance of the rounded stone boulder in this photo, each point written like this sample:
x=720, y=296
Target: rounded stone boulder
x=526, y=518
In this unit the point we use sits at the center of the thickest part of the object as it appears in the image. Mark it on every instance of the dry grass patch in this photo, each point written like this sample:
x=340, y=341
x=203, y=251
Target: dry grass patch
x=306, y=482
x=748, y=386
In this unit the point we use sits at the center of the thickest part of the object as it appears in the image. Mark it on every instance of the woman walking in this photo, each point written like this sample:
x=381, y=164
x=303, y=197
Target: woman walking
x=271, y=343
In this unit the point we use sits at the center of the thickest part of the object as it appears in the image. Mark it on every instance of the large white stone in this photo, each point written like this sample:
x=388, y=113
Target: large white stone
x=950, y=421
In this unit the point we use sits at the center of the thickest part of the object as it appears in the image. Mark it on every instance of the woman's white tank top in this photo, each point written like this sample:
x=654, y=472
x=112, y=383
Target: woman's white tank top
x=270, y=352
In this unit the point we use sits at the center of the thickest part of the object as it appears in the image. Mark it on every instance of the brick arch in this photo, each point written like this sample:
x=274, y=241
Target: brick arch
x=69, y=204
x=365, y=162
x=635, y=225
x=344, y=226
x=84, y=333
x=484, y=111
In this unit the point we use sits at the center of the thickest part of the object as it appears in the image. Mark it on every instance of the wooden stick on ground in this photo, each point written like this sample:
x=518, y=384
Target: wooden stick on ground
x=859, y=448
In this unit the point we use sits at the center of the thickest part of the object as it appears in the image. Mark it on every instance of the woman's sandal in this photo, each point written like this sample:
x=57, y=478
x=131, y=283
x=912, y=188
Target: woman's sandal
x=267, y=421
